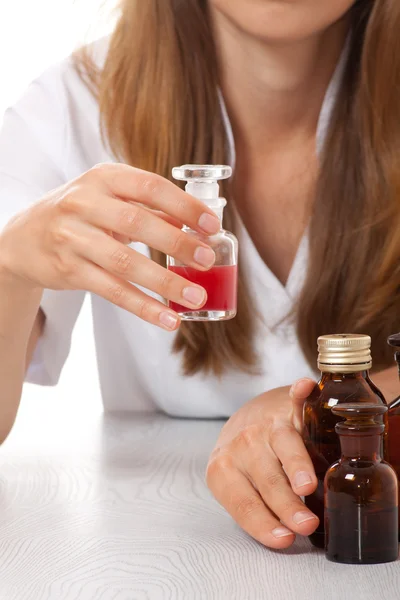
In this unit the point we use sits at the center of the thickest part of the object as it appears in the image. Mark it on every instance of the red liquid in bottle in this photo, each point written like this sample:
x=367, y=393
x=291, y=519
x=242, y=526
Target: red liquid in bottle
x=220, y=284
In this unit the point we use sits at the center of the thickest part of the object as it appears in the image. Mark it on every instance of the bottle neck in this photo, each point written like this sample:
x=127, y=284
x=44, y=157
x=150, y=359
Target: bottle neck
x=361, y=446
x=356, y=376
x=219, y=211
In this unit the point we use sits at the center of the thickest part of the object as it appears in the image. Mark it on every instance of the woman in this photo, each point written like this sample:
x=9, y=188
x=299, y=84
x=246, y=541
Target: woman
x=303, y=99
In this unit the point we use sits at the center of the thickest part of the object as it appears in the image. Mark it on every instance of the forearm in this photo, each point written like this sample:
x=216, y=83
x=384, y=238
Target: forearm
x=388, y=382
x=19, y=305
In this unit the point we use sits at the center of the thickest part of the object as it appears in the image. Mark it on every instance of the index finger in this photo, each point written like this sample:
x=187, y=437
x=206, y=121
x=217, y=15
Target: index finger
x=154, y=191
x=290, y=450
x=237, y=495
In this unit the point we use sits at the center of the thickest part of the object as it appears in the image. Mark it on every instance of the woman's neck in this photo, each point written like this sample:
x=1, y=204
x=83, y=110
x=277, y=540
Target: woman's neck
x=274, y=93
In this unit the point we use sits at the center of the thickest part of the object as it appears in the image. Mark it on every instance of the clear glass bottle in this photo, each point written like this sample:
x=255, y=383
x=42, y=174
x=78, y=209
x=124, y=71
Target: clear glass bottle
x=394, y=418
x=344, y=361
x=220, y=282
x=361, y=491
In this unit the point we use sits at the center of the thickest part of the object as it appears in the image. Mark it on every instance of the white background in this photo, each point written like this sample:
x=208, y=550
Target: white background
x=33, y=35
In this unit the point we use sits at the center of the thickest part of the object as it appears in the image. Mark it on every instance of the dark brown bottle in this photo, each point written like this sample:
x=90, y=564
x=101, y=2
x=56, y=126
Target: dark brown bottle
x=394, y=419
x=361, y=491
x=344, y=361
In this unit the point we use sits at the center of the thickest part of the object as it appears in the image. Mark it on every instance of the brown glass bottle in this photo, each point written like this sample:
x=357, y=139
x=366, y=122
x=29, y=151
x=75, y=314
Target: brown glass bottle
x=344, y=361
x=394, y=419
x=361, y=491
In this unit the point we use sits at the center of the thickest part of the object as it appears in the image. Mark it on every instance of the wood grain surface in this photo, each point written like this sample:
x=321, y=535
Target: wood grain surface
x=116, y=508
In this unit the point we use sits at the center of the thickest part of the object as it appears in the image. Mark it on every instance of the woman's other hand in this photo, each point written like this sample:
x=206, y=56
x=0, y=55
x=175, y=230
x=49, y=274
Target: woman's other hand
x=260, y=467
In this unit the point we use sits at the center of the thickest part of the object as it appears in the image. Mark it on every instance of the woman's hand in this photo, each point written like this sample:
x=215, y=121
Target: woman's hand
x=260, y=467
x=75, y=238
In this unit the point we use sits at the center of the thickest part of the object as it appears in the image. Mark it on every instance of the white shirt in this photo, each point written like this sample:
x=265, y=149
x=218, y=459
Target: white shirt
x=51, y=136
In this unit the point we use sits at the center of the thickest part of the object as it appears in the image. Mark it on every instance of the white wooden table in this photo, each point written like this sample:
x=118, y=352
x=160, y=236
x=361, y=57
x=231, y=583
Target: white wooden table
x=115, y=508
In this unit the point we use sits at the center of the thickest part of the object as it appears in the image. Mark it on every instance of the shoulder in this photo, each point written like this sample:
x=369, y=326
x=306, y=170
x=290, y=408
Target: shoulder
x=55, y=123
x=60, y=111
x=61, y=82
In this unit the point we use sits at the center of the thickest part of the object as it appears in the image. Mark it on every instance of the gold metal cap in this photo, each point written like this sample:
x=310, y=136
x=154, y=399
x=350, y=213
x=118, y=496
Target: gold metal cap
x=344, y=353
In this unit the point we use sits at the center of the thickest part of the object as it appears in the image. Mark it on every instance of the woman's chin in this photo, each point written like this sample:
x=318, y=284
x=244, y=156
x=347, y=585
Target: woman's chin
x=279, y=22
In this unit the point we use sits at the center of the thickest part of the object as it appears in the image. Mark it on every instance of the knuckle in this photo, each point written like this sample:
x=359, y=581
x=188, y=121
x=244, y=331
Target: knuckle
x=143, y=310
x=178, y=242
x=275, y=480
x=59, y=232
x=288, y=506
x=249, y=436
x=165, y=284
x=116, y=294
x=218, y=466
x=151, y=184
x=248, y=505
x=100, y=173
x=71, y=201
x=298, y=459
x=268, y=422
x=212, y=472
x=66, y=267
x=132, y=220
x=121, y=261
x=99, y=170
x=281, y=431
x=183, y=207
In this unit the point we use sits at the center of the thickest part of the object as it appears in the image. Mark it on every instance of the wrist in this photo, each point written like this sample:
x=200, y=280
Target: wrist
x=13, y=280
x=17, y=284
x=19, y=304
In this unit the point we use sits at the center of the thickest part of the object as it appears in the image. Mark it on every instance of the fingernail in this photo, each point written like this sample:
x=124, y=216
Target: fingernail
x=204, y=256
x=292, y=390
x=301, y=478
x=281, y=532
x=209, y=224
x=168, y=320
x=302, y=517
x=194, y=295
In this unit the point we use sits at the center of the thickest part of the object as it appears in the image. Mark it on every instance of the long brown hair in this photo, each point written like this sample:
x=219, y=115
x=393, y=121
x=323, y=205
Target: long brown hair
x=158, y=97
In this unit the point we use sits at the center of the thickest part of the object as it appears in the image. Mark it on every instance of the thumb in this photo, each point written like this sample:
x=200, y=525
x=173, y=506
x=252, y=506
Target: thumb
x=299, y=392
x=301, y=389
